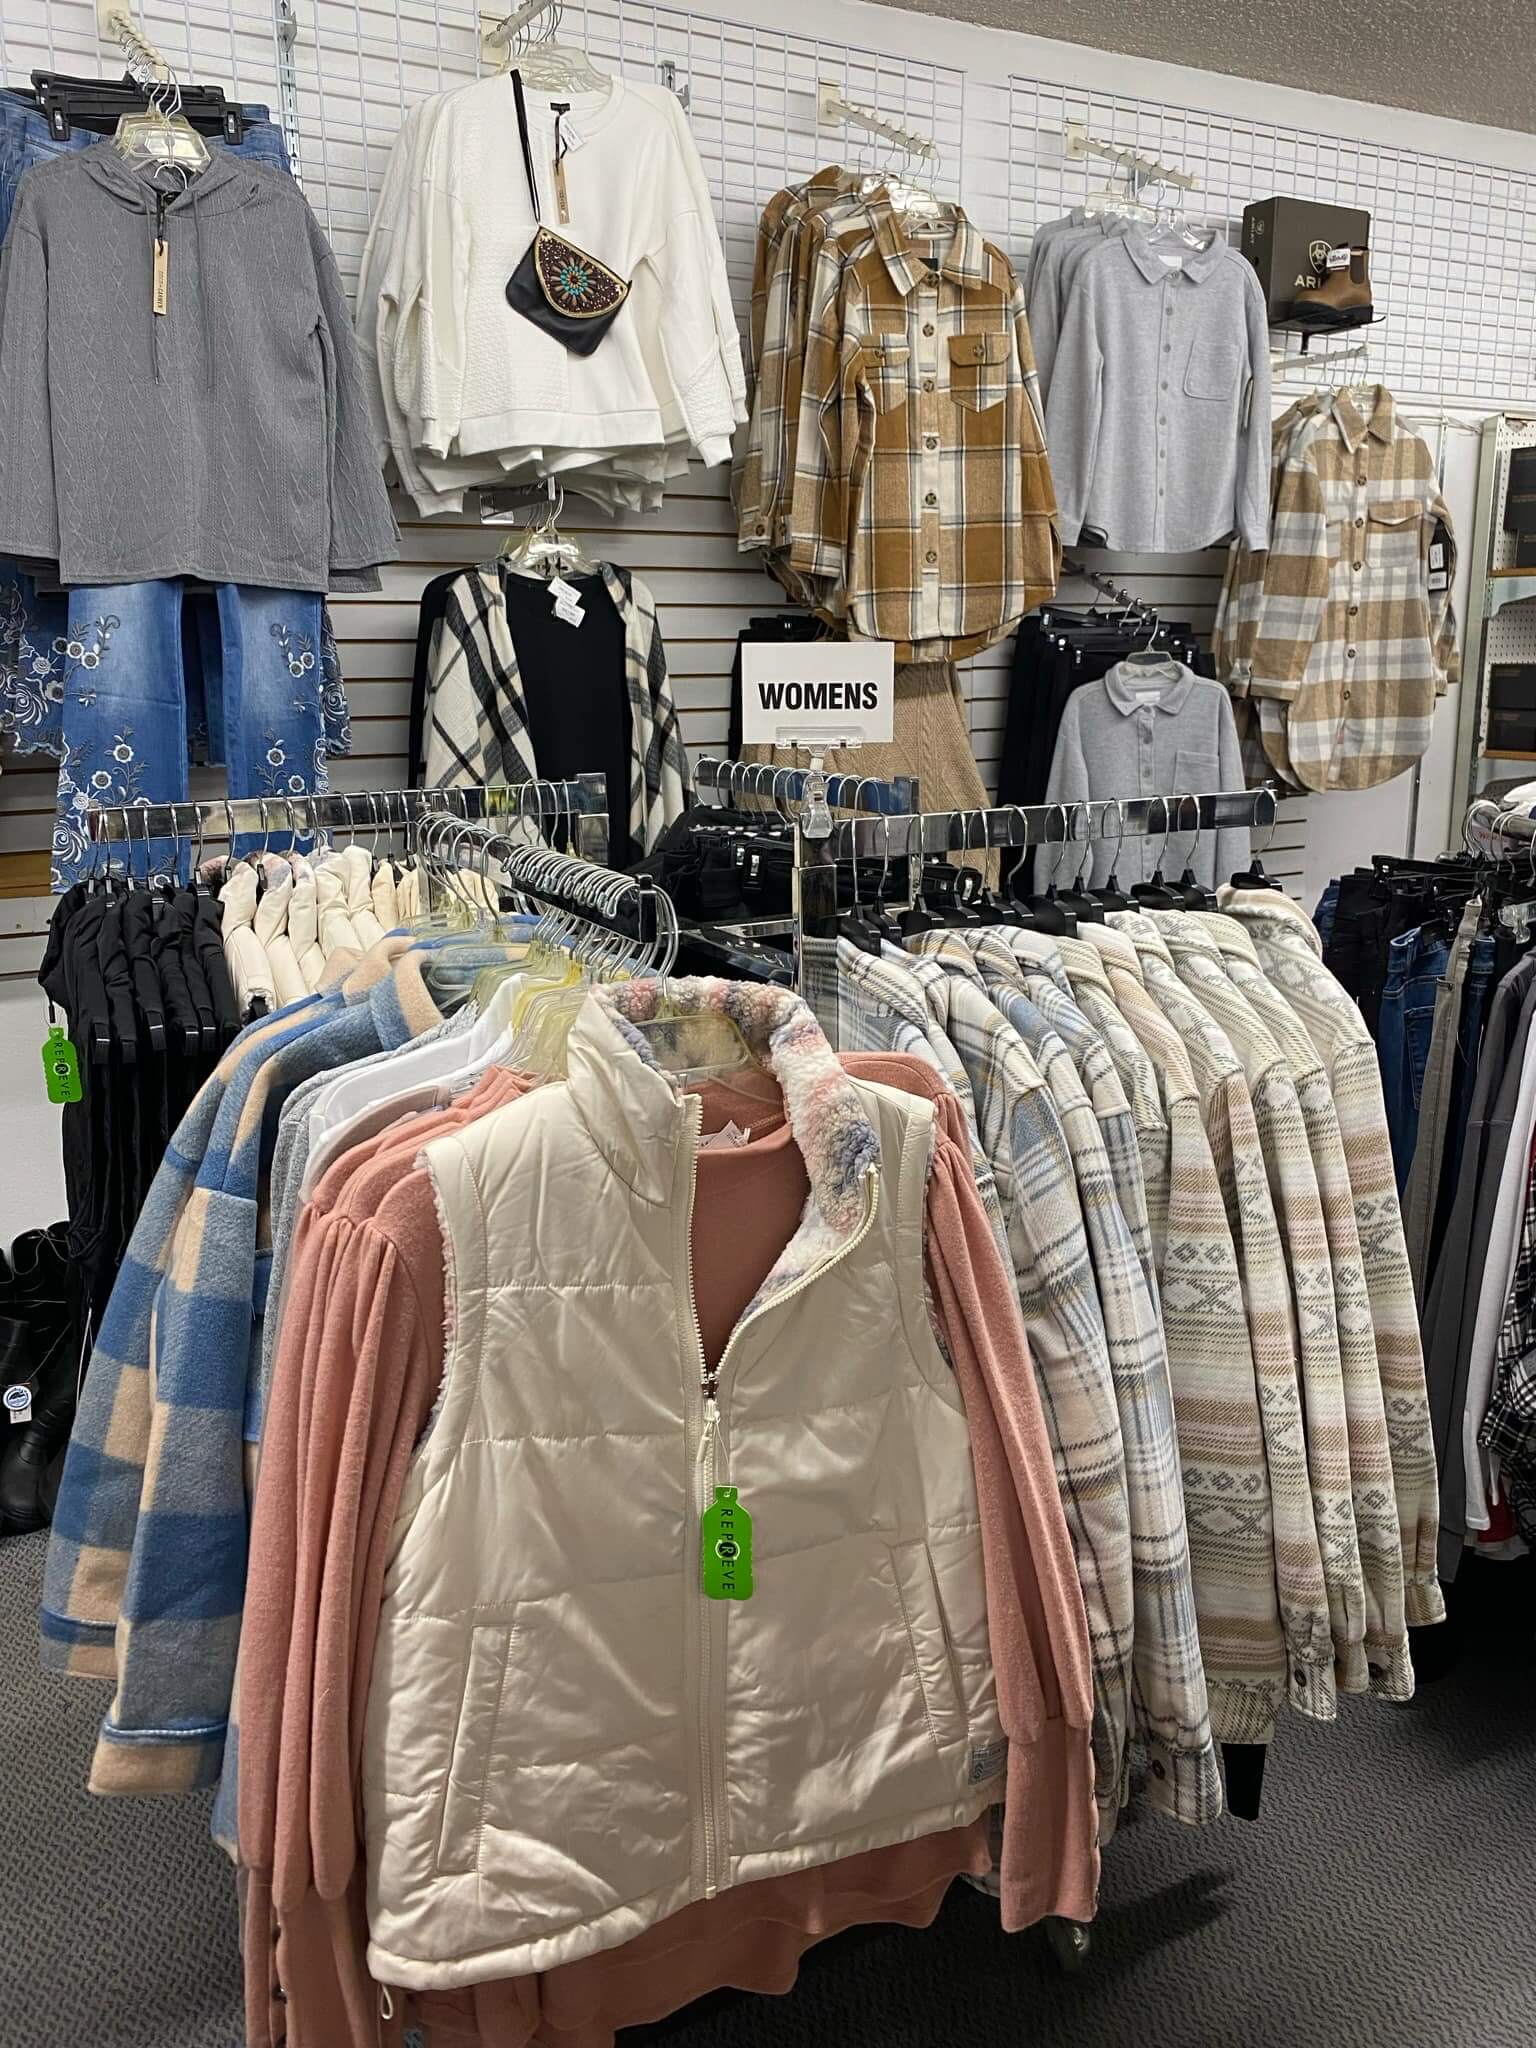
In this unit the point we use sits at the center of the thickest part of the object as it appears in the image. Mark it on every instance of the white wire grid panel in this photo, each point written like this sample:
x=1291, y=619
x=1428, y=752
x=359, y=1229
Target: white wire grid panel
x=232, y=43
x=1453, y=244
x=751, y=99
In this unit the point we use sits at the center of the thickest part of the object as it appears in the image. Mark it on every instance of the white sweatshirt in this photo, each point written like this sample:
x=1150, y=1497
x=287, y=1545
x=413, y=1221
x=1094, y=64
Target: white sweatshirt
x=488, y=379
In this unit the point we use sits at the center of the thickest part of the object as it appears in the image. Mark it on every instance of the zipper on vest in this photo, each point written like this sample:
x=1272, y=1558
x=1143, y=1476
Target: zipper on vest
x=704, y=1463
x=705, y=1460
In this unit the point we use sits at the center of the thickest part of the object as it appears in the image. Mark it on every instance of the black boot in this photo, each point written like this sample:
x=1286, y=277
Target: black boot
x=32, y=1446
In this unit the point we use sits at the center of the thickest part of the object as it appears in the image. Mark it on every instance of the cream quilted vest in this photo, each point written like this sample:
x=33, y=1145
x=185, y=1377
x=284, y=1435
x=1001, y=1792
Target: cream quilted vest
x=566, y=1740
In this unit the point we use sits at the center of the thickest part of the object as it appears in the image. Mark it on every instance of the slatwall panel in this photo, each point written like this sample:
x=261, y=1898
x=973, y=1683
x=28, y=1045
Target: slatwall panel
x=1457, y=246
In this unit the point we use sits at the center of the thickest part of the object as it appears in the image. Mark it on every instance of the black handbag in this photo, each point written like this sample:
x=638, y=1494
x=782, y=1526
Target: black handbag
x=560, y=288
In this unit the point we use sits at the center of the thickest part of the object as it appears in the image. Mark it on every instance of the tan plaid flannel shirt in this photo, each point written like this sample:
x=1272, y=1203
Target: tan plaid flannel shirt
x=922, y=490
x=1343, y=632
x=789, y=238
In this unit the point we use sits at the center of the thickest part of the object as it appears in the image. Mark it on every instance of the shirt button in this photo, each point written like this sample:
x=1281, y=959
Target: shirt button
x=1357, y=567
x=1361, y=479
x=927, y=383
x=1349, y=654
x=1359, y=522
x=930, y=556
x=930, y=440
x=928, y=327
x=930, y=497
x=1353, y=609
x=1346, y=696
x=979, y=350
x=1165, y=383
x=1167, y=348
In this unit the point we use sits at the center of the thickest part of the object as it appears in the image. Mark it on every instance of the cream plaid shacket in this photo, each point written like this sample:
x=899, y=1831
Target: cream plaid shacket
x=1048, y=1249
x=1170, y=1707
x=1343, y=632
x=1233, y=1134
x=1291, y=954
x=1210, y=1360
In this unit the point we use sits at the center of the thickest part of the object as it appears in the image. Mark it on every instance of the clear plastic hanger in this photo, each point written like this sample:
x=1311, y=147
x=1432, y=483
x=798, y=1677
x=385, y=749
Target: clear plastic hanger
x=528, y=40
x=162, y=134
x=541, y=549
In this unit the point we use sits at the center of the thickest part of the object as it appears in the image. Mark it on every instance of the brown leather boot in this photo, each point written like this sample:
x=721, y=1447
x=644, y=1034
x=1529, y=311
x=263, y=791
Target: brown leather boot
x=1343, y=299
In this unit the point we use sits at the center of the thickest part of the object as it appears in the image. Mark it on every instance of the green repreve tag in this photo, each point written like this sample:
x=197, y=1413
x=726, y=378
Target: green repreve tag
x=727, y=1548
x=61, y=1067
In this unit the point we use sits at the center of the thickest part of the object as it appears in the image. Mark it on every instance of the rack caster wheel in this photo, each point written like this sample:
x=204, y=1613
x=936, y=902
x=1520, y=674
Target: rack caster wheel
x=1070, y=1941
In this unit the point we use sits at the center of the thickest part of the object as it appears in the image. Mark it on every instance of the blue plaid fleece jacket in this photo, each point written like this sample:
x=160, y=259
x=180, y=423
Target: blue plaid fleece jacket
x=146, y=1567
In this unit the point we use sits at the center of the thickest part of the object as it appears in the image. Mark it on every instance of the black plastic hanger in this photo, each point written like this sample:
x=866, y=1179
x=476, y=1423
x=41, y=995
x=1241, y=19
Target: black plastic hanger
x=1047, y=912
x=1081, y=902
x=1156, y=894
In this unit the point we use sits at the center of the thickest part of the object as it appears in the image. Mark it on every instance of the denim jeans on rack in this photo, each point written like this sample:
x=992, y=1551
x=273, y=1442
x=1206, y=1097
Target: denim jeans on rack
x=1415, y=962
x=1475, y=994
x=1326, y=911
x=124, y=708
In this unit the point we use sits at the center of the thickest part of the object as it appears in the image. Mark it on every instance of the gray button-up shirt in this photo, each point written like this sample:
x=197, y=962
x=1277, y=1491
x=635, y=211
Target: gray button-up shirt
x=1055, y=260
x=1147, y=732
x=1158, y=415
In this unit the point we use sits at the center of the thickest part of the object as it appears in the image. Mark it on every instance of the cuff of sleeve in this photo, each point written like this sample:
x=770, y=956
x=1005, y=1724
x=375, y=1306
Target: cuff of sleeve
x=1050, y=1857
x=1185, y=1784
x=1313, y=1691
x=356, y=579
x=713, y=449
x=1273, y=687
x=1239, y=679
x=78, y=1649
x=156, y=1760
x=1423, y=1599
x=1391, y=1670
x=1242, y=1713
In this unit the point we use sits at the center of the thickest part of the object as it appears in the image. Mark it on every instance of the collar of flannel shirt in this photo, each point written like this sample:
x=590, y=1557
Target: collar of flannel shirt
x=1035, y=952
x=1127, y=688
x=964, y=261
x=1196, y=264
x=1271, y=914
x=1354, y=426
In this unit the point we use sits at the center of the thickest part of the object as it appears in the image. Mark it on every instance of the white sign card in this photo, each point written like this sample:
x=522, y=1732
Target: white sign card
x=826, y=692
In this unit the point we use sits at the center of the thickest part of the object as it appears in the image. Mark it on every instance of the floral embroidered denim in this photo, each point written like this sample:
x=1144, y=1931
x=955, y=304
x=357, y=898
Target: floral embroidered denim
x=128, y=707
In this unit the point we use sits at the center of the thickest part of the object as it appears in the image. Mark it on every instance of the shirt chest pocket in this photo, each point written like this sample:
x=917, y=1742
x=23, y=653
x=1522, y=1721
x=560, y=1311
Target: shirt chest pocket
x=978, y=368
x=1212, y=369
x=887, y=360
x=1394, y=533
x=1195, y=773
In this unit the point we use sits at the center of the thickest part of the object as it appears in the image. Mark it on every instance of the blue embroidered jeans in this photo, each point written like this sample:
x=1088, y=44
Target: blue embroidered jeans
x=125, y=705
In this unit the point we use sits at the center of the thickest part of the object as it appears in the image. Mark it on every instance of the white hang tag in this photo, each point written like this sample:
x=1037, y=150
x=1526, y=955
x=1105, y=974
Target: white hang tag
x=1437, y=554
x=558, y=587
x=1338, y=259
x=572, y=614
x=728, y=1135
x=570, y=134
x=18, y=1403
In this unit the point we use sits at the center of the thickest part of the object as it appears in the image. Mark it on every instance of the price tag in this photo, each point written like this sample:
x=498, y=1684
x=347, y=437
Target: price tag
x=838, y=692
x=558, y=587
x=18, y=1404
x=61, y=1067
x=571, y=613
x=727, y=1531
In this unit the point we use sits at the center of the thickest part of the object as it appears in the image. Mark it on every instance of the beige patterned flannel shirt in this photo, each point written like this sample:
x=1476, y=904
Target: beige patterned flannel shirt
x=1210, y=1361
x=1291, y=955
x=1343, y=632
x=922, y=490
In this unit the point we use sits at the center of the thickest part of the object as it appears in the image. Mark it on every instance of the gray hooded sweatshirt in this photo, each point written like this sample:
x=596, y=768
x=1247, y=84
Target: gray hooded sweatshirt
x=226, y=437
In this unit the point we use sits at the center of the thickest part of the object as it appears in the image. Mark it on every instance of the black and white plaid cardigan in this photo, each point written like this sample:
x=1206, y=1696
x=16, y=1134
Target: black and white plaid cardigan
x=477, y=715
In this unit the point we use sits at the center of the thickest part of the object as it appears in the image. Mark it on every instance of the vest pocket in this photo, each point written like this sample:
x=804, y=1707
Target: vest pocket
x=933, y=1663
x=474, y=1744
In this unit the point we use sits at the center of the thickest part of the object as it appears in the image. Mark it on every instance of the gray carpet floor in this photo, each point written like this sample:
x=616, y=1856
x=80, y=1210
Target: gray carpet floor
x=1383, y=1900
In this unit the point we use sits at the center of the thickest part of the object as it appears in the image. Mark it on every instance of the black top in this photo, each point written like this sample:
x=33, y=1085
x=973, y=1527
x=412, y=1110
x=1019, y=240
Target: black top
x=574, y=687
